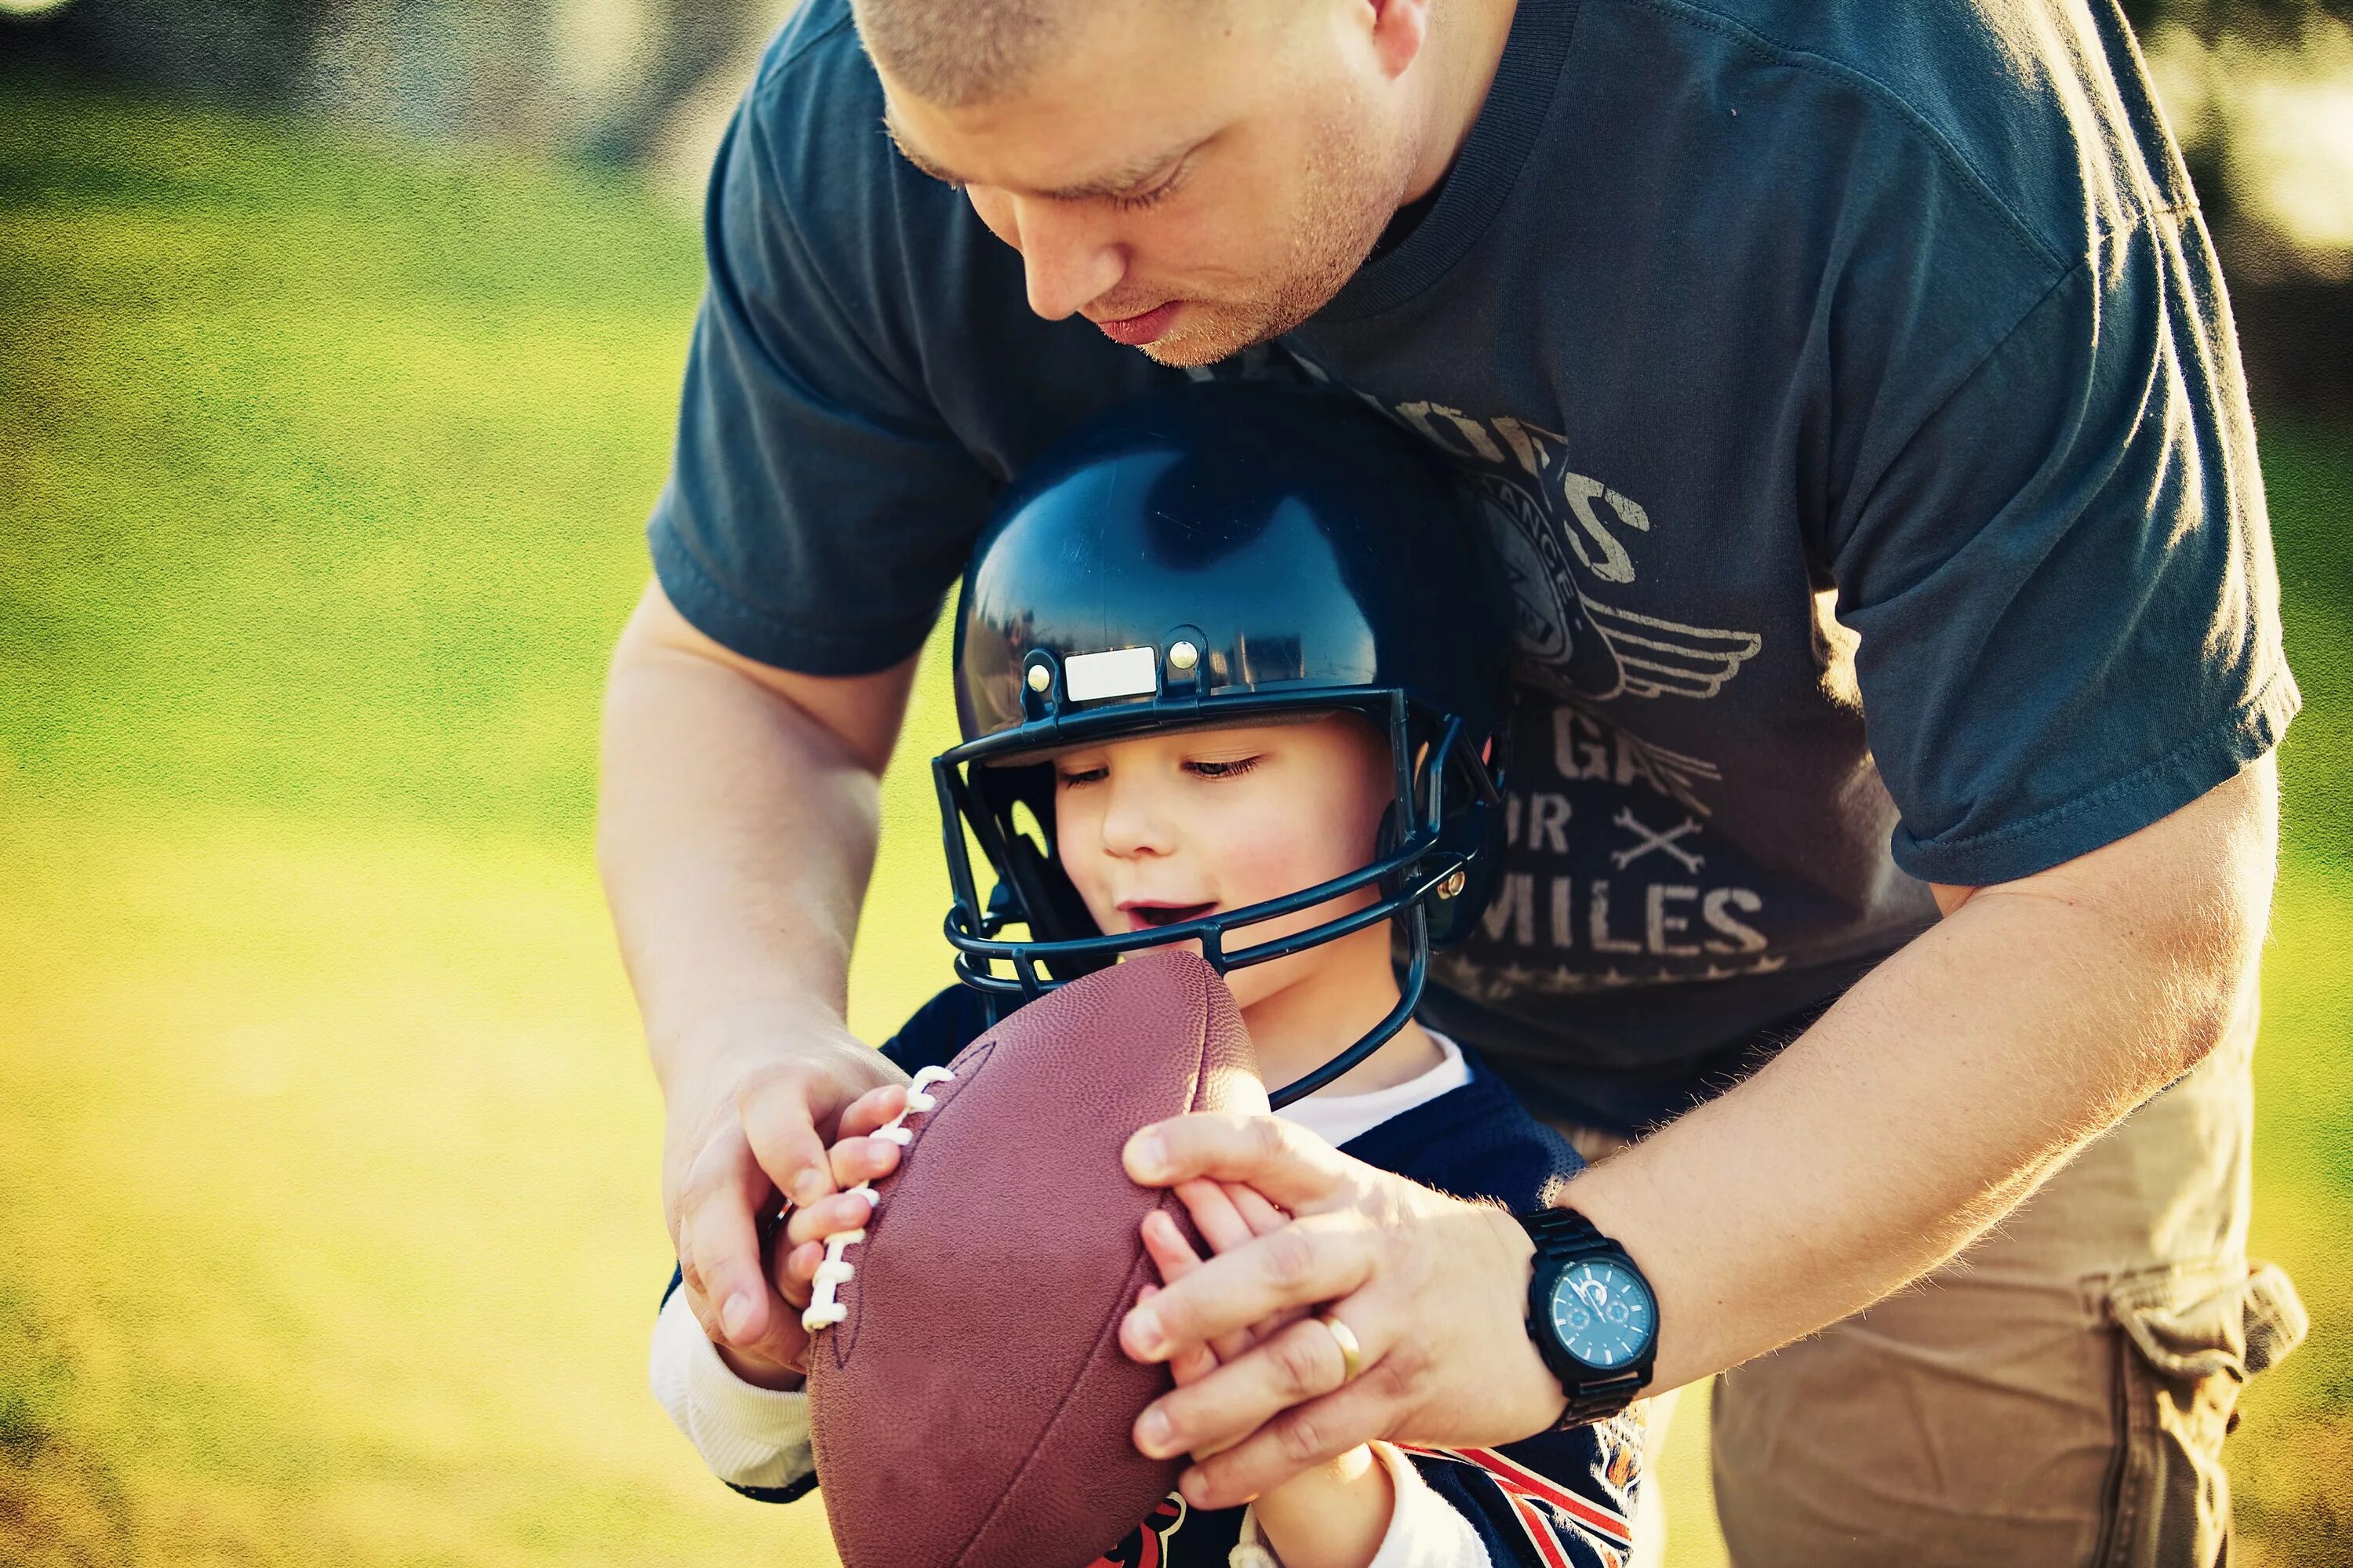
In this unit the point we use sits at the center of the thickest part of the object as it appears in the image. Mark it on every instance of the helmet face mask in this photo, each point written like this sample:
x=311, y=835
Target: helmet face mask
x=1224, y=555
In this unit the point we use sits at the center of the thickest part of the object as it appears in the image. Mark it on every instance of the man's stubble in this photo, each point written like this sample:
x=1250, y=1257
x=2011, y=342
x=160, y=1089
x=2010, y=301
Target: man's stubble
x=1352, y=187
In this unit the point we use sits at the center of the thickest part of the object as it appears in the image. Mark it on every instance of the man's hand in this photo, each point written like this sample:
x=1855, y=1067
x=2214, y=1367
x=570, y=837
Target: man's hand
x=1434, y=1288
x=1931, y=1100
x=736, y=831
x=775, y=1359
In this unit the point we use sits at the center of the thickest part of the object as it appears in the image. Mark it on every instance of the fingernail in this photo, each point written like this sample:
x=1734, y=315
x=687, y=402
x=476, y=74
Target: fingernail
x=1147, y=1157
x=1144, y=1333
x=736, y=1317
x=1152, y=1434
x=808, y=1188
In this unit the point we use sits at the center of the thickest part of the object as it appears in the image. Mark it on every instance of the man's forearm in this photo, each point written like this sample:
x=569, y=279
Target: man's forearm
x=736, y=835
x=1940, y=1091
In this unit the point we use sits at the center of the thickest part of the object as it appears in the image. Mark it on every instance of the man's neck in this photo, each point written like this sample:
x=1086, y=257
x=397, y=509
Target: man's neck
x=1466, y=45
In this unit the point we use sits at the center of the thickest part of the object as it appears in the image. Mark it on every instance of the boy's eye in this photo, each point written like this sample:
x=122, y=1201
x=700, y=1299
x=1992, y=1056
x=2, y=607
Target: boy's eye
x=1233, y=770
x=1071, y=778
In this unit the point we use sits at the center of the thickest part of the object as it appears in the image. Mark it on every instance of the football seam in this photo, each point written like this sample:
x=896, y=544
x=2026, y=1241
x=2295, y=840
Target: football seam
x=845, y=1345
x=1111, y=1330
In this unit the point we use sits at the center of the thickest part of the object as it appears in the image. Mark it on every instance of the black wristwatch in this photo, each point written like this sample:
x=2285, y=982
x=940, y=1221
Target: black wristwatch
x=1591, y=1315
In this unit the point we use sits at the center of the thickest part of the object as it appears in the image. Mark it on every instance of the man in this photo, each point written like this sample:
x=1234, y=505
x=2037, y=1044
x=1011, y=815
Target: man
x=1853, y=393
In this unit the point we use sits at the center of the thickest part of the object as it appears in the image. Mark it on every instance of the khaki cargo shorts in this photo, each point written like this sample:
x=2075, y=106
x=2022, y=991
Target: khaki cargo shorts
x=2057, y=1394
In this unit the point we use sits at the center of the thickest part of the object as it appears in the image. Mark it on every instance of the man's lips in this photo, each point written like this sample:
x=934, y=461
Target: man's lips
x=1138, y=330
x=1144, y=915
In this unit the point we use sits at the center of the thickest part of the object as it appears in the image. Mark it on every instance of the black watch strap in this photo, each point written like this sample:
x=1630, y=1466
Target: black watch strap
x=1562, y=1236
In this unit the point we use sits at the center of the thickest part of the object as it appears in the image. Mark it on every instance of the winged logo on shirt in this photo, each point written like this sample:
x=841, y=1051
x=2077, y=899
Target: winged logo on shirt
x=1573, y=643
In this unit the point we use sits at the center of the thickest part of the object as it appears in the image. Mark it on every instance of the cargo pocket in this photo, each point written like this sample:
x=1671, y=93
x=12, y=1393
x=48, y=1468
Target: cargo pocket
x=2186, y=1339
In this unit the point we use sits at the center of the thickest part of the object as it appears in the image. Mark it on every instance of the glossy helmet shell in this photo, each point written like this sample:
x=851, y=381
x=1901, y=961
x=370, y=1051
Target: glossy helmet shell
x=1195, y=557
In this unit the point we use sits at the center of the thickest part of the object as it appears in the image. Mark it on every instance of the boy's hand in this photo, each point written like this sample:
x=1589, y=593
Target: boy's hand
x=1227, y=1215
x=797, y=1249
x=1334, y=1513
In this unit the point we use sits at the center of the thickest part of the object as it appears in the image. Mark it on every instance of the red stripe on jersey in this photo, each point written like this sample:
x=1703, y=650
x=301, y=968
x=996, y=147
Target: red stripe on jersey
x=1540, y=1533
x=1519, y=1480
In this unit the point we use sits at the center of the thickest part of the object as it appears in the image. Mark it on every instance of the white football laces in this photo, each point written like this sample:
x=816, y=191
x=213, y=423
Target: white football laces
x=826, y=1306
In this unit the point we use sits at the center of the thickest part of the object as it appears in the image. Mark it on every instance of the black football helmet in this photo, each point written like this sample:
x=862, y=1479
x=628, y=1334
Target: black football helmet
x=1197, y=557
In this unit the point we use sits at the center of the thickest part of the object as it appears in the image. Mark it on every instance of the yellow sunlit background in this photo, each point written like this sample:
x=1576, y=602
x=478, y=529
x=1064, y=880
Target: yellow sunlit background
x=339, y=351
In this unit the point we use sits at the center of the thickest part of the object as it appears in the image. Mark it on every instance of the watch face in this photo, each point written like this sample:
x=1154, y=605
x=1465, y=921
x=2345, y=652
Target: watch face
x=1602, y=1314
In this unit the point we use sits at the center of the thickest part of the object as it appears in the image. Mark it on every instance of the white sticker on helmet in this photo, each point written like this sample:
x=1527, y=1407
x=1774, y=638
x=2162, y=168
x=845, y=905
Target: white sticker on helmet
x=1122, y=673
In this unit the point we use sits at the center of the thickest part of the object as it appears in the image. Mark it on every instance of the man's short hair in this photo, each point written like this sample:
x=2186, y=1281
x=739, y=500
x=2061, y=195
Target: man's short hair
x=954, y=53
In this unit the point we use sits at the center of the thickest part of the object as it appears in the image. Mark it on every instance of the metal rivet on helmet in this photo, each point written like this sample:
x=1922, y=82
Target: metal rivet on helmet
x=1041, y=678
x=1182, y=656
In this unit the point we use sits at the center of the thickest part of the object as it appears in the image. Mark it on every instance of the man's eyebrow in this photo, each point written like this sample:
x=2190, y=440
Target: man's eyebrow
x=1116, y=182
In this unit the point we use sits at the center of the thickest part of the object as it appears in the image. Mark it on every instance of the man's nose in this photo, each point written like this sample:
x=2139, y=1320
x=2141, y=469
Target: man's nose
x=1068, y=255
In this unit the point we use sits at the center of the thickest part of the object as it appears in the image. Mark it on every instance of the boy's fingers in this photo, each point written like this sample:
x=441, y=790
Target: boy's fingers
x=1306, y=1262
x=1175, y=1257
x=856, y=1159
x=827, y=1217
x=871, y=1109
x=1256, y=1211
x=1214, y=1214
x=796, y=1272
x=1193, y=1364
x=1170, y=1253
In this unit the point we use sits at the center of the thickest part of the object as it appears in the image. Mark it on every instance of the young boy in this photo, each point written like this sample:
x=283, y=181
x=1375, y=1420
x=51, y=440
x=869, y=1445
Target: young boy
x=1231, y=671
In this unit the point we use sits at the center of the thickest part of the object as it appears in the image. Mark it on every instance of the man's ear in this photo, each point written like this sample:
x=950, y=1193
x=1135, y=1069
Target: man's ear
x=1400, y=28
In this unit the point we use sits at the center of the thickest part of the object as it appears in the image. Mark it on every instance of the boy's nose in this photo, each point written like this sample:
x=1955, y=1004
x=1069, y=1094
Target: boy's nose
x=1133, y=825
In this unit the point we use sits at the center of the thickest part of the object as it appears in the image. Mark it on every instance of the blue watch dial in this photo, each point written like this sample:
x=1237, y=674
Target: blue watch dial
x=1602, y=1314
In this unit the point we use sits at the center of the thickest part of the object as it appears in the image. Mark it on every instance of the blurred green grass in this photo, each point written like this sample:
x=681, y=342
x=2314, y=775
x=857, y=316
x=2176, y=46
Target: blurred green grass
x=327, y=1154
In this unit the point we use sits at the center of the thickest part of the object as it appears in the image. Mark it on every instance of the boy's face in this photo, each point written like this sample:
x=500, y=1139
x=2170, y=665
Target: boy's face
x=1164, y=828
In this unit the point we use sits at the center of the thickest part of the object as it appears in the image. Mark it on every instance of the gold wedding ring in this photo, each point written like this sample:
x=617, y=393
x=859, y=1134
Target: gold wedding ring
x=1352, y=1355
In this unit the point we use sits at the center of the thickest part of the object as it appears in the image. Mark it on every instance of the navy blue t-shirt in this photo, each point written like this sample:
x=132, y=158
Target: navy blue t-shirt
x=1853, y=393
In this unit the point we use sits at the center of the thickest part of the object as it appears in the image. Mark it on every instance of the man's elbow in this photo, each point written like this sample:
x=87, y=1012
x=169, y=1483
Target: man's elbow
x=2207, y=920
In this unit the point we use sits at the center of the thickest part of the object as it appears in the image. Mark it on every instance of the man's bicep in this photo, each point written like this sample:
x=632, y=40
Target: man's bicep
x=2063, y=587
x=2194, y=887
x=861, y=713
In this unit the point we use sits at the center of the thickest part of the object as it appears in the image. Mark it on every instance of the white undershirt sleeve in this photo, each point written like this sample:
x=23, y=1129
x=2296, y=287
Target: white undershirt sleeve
x=749, y=1435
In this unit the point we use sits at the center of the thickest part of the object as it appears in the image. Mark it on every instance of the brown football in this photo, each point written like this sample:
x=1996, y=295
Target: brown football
x=971, y=1404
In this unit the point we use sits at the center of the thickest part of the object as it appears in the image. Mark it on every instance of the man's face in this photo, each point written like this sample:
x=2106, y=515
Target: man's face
x=1192, y=178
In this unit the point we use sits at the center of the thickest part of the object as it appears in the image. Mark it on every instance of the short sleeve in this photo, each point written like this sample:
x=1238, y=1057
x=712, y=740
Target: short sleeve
x=2063, y=579
x=817, y=506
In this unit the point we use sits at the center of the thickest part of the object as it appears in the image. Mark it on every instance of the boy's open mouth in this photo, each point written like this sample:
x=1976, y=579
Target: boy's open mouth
x=1151, y=916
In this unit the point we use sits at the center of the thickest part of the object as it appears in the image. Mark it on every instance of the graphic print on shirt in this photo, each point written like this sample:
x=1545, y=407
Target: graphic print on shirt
x=1146, y=1546
x=1612, y=877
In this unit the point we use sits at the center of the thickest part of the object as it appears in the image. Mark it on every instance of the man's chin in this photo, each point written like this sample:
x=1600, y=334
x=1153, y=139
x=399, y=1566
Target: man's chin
x=1207, y=334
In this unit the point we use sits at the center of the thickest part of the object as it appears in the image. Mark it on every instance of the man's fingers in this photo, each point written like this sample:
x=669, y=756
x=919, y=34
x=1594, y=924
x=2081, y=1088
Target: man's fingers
x=783, y=1115
x=719, y=1242
x=1300, y=1264
x=1302, y=1363
x=1293, y=1441
x=828, y=1217
x=1283, y=1161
